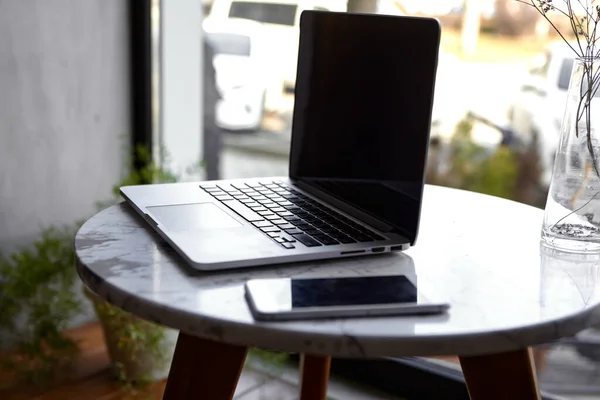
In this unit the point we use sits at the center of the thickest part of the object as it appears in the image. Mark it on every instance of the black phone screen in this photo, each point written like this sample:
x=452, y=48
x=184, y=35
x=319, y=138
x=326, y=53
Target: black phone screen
x=329, y=292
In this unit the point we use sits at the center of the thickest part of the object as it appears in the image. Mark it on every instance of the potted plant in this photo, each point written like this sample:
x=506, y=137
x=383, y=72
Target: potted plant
x=140, y=351
x=37, y=288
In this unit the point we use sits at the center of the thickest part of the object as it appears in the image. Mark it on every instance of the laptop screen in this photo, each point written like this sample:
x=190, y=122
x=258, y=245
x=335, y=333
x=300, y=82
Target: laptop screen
x=362, y=114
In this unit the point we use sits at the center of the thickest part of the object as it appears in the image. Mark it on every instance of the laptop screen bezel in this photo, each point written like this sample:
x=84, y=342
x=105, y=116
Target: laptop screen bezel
x=307, y=21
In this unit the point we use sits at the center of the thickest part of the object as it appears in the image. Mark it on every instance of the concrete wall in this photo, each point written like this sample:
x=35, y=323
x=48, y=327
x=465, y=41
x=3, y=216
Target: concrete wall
x=64, y=114
x=64, y=111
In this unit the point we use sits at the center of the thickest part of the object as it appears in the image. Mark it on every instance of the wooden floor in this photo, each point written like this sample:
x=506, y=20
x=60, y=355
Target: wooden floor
x=92, y=379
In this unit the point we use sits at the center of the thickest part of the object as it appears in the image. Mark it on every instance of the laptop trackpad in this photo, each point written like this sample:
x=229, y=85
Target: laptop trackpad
x=192, y=217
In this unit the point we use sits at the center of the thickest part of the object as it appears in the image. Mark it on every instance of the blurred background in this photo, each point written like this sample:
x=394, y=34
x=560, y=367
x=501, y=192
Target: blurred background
x=500, y=85
x=97, y=93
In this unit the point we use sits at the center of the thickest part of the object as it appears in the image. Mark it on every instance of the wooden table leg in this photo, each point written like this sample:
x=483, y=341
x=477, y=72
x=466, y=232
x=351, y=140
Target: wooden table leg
x=315, y=375
x=204, y=369
x=501, y=376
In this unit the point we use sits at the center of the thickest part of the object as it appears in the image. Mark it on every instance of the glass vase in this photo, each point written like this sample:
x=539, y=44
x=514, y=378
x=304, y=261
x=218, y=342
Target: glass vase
x=572, y=213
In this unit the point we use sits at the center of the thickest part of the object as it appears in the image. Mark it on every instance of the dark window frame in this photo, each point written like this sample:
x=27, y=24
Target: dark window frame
x=140, y=77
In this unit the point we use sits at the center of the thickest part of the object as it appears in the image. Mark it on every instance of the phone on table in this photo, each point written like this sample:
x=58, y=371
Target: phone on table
x=284, y=299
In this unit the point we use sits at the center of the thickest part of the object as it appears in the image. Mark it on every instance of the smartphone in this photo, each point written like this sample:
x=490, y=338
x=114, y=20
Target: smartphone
x=285, y=299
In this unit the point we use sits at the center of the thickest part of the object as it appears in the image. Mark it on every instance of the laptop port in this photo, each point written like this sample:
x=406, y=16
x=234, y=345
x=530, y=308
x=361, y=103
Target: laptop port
x=378, y=249
x=352, y=252
x=396, y=248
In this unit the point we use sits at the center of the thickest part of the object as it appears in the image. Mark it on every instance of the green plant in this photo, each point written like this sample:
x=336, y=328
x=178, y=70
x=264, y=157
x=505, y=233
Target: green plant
x=128, y=337
x=132, y=340
x=37, y=287
x=37, y=290
x=473, y=167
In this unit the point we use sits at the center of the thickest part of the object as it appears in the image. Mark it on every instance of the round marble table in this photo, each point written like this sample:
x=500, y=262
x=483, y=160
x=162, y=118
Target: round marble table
x=480, y=253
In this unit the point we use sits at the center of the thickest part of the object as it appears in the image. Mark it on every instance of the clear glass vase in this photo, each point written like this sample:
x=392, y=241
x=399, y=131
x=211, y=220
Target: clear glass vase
x=572, y=214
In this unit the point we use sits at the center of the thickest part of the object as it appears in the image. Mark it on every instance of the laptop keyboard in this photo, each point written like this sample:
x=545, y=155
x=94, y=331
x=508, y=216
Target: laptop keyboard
x=288, y=216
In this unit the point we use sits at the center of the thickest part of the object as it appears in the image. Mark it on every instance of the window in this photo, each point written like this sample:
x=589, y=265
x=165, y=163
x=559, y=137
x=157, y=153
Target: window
x=270, y=13
x=226, y=43
x=565, y=73
x=540, y=64
x=251, y=124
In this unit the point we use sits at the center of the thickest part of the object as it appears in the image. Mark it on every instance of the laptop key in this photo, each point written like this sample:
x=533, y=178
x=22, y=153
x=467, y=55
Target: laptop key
x=345, y=239
x=331, y=231
x=293, y=231
x=306, y=240
x=270, y=229
x=334, y=233
x=225, y=187
x=243, y=211
x=320, y=224
x=302, y=225
x=273, y=234
x=288, y=238
x=262, y=224
x=288, y=245
x=286, y=226
x=259, y=208
x=362, y=238
x=326, y=240
x=272, y=218
x=312, y=231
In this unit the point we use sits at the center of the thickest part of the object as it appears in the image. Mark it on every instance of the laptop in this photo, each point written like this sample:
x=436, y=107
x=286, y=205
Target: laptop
x=360, y=133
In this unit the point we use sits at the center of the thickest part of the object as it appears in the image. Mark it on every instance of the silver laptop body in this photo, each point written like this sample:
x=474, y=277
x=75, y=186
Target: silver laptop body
x=357, y=163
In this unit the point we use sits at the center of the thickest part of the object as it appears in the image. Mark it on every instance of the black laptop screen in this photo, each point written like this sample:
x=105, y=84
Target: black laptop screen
x=364, y=94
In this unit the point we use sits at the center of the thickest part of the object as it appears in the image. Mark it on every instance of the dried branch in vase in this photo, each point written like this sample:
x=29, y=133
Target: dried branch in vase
x=583, y=17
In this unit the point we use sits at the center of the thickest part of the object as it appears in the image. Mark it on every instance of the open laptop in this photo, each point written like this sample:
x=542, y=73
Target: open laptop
x=362, y=115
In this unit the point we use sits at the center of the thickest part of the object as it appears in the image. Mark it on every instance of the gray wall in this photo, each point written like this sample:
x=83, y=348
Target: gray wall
x=64, y=111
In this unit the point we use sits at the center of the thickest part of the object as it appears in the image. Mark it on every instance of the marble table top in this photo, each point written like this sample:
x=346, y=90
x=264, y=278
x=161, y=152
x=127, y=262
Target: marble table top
x=480, y=253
